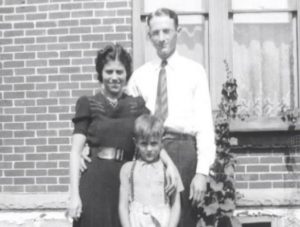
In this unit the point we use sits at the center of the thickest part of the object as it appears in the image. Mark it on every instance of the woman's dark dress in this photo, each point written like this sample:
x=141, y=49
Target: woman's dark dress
x=106, y=126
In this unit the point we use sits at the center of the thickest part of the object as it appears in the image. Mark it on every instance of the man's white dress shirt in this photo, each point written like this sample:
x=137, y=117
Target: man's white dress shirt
x=189, y=106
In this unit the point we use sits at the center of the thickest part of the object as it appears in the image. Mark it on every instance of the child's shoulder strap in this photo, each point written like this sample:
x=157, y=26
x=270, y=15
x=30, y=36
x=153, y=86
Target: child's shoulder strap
x=131, y=180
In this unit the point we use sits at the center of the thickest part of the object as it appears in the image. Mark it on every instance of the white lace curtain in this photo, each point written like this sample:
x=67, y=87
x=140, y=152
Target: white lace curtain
x=263, y=63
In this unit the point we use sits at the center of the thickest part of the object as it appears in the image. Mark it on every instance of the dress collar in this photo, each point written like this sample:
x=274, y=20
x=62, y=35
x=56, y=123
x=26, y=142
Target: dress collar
x=100, y=93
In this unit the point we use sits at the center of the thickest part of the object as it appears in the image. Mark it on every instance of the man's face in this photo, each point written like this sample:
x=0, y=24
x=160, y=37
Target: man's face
x=163, y=34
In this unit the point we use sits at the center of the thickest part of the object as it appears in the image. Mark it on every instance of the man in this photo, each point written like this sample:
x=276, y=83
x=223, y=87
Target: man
x=183, y=103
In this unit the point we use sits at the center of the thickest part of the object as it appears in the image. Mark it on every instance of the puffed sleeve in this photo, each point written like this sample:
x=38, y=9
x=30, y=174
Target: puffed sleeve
x=82, y=115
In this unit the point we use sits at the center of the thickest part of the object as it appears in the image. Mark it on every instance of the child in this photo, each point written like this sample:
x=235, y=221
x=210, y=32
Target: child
x=143, y=201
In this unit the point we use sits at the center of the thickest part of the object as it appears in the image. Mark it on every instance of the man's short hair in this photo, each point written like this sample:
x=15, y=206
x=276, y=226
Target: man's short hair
x=163, y=12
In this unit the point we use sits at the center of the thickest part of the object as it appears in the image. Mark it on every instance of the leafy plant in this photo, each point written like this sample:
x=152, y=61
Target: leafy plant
x=219, y=201
x=291, y=116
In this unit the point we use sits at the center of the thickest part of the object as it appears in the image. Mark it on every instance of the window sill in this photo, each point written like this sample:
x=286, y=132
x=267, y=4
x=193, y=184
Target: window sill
x=263, y=134
x=262, y=125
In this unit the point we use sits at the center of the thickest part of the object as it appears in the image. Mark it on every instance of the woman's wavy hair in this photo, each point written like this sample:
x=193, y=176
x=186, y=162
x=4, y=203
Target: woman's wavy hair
x=113, y=52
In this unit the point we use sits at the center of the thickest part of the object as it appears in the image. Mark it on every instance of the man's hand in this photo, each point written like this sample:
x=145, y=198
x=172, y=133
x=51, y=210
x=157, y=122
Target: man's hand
x=198, y=188
x=84, y=157
x=171, y=175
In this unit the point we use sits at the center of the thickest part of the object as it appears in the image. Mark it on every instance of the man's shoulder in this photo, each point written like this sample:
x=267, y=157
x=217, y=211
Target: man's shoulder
x=190, y=62
x=194, y=70
x=143, y=68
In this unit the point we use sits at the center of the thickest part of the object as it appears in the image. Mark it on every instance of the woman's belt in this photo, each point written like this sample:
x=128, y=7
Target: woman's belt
x=109, y=153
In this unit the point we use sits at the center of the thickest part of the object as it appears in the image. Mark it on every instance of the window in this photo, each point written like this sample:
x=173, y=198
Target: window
x=193, y=38
x=258, y=38
x=265, y=50
x=263, y=62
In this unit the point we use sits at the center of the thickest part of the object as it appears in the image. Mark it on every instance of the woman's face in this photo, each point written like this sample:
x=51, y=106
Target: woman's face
x=114, y=78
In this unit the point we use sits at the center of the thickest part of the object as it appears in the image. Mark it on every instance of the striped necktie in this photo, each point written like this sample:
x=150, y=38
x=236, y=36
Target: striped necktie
x=161, y=105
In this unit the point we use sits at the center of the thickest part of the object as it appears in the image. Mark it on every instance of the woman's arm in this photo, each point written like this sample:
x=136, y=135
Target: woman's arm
x=78, y=141
x=175, y=210
x=124, y=196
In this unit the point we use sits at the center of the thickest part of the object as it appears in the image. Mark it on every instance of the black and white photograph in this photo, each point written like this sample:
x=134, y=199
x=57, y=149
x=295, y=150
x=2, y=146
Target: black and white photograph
x=149, y=113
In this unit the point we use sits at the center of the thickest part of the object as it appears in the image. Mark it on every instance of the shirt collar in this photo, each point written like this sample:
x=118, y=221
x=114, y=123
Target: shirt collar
x=153, y=164
x=172, y=61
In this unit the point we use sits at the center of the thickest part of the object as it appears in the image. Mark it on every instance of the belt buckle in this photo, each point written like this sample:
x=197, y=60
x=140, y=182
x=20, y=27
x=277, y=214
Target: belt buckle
x=111, y=153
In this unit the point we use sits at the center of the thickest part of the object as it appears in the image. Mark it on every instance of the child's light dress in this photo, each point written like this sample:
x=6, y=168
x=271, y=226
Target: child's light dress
x=149, y=206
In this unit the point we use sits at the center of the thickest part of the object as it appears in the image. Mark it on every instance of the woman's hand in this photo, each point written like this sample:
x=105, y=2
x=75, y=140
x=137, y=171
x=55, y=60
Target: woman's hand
x=75, y=207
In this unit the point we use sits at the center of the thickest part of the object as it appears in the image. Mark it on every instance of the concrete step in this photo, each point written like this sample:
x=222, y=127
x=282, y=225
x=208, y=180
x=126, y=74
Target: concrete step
x=34, y=219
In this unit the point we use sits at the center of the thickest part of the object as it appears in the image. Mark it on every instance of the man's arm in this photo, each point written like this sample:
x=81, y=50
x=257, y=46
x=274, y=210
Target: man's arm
x=205, y=138
x=171, y=172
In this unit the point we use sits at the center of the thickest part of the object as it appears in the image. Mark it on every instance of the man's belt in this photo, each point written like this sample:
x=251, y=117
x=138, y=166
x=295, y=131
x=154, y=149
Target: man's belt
x=175, y=135
x=109, y=153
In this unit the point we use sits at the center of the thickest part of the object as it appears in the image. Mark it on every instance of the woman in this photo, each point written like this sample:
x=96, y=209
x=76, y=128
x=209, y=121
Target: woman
x=105, y=122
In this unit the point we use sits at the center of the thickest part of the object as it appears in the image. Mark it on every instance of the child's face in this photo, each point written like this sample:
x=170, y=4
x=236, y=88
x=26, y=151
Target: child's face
x=149, y=148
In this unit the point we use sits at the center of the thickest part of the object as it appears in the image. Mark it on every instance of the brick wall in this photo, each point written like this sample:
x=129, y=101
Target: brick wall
x=267, y=169
x=47, y=51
